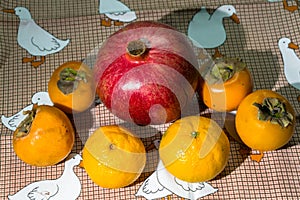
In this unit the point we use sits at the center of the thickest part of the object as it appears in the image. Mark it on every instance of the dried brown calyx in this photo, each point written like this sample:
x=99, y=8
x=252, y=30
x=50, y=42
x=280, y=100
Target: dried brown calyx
x=273, y=110
x=224, y=68
x=24, y=127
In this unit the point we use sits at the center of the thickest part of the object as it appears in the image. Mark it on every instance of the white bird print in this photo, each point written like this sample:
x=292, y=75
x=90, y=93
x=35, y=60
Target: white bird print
x=39, y=98
x=67, y=186
x=291, y=61
x=152, y=189
x=34, y=39
x=117, y=11
x=161, y=184
x=207, y=31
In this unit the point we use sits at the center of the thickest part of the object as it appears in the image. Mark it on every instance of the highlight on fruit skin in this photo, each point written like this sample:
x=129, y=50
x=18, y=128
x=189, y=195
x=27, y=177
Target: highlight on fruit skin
x=194, y=149
x=45, y=137
x=113, y=157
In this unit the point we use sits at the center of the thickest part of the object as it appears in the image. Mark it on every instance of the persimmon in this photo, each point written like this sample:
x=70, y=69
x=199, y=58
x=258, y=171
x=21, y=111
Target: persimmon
x=113, y=157
x=45, y=137
x=194, y=149
x=265, y=120
x=226, y=84
x=71, y=87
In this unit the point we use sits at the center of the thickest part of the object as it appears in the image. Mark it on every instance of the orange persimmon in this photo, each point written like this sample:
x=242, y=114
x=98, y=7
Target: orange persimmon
x=265, y=120
x=226, y=84
x=45, y=137
x=71, y=87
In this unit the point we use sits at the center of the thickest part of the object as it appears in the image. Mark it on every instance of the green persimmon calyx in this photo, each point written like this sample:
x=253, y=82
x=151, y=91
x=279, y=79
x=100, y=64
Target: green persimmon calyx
x=223, y=69
x=273, y=110
x=69, y=79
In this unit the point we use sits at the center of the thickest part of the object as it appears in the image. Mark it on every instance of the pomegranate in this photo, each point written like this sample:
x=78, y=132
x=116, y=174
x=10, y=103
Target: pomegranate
x=146, y=73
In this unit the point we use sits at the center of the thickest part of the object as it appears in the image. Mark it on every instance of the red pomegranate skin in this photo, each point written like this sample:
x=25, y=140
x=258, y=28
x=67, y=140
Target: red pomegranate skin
x=152, y=88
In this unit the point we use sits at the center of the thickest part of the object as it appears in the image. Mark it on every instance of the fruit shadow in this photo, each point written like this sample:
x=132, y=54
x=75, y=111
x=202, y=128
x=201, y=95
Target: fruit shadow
x=84, y=125
x=239, y=151
x=87, y=122
x=292, y=94
x=263, y=65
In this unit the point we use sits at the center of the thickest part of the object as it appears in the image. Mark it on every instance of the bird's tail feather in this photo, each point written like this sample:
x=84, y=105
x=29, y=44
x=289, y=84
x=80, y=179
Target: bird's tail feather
x=3, y=118
x=65, y=42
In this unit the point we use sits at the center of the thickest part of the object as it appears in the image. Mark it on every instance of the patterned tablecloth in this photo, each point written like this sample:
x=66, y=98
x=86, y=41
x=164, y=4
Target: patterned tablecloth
x=255, y=40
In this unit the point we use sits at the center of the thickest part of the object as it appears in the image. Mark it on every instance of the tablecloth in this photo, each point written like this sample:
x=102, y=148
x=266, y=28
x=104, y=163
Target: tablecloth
x=255, y=40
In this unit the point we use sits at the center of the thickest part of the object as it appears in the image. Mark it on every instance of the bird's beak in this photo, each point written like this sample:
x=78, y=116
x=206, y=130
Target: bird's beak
x=81, y=165
x=293, y=46
x=235, y=18
x=12, y=11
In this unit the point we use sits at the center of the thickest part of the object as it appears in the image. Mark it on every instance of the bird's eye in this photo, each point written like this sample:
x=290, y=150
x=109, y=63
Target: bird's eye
x=229, y=9
x=39, y=99
x=20, y=10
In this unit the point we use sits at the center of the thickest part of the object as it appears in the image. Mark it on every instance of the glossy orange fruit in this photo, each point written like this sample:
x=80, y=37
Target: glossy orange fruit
x=226, y=85
x=265, y=120
x=113, y=157
x=71, y=87
x=194, y=149
x=45, y=137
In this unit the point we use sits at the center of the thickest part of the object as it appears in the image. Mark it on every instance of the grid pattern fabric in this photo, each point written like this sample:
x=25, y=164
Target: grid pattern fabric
x=254, y=40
